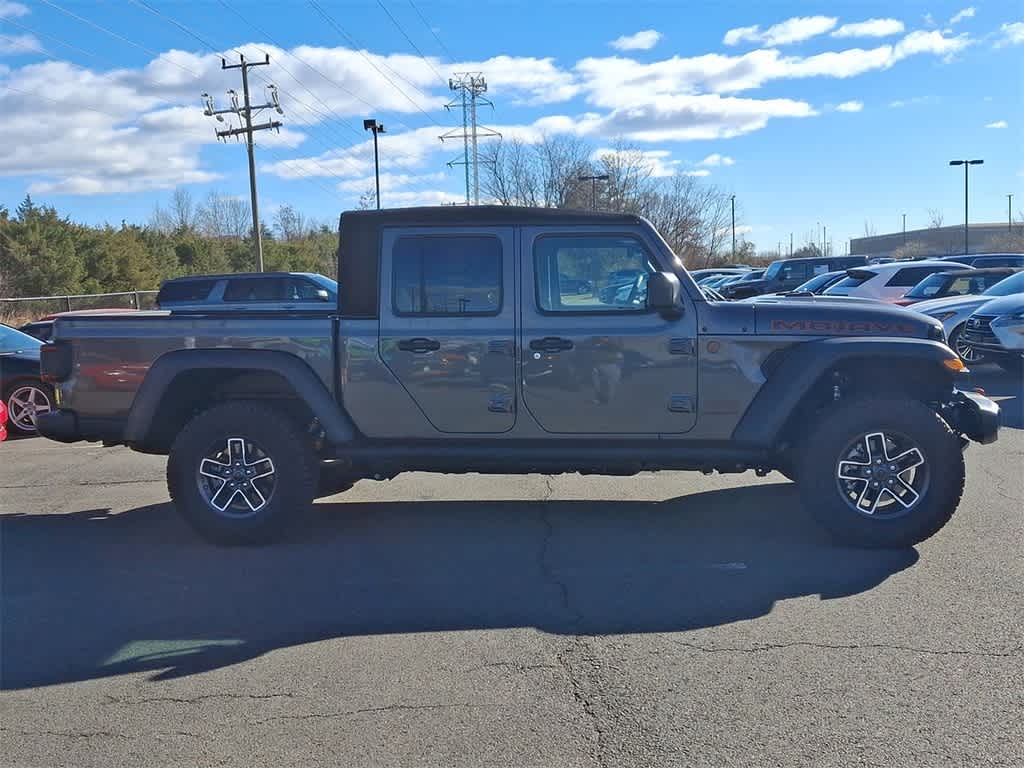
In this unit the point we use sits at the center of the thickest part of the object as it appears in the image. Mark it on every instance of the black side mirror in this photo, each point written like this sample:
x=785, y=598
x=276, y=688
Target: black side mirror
x=663, y=292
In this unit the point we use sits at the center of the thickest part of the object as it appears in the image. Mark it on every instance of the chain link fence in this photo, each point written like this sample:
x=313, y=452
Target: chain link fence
x=23, y=310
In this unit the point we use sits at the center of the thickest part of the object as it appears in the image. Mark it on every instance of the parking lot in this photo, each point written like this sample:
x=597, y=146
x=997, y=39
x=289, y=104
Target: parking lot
x=662, y=619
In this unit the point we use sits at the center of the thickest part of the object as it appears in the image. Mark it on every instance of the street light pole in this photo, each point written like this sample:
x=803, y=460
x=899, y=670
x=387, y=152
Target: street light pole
x=593, y=186
x=965, y=164
x=373, y=125
x=1009, y=213
x=904, y=229
x=732, y=201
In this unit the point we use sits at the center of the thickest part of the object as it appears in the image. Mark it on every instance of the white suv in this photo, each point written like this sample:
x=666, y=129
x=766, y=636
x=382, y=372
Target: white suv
x=888, y=282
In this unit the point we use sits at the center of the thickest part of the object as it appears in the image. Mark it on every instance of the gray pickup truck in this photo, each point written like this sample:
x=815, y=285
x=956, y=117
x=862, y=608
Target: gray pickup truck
x=456, y=346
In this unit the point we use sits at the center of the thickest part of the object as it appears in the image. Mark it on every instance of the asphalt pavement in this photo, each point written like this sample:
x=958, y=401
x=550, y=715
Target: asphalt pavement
x=662, y=619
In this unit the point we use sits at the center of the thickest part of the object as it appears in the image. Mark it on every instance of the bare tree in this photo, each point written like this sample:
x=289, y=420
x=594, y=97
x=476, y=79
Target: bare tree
x=367, y=200
x=290, y=223
x=870, y=230
x=181, y=214
x=225, y=216
x=935, y=218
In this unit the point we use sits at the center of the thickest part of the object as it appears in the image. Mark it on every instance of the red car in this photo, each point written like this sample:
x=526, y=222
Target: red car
x=3, y=421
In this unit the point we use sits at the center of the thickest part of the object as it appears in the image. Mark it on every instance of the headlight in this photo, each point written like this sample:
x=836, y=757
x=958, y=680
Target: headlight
x=944, y=316
x=936, y=333
x=1014, y=319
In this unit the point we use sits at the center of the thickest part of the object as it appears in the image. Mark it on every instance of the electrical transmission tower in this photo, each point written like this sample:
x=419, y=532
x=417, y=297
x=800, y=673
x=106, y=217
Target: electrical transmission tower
x=470, y=86
x=245, y=111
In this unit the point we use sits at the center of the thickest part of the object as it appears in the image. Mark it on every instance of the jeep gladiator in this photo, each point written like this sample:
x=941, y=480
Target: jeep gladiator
x=455, y=346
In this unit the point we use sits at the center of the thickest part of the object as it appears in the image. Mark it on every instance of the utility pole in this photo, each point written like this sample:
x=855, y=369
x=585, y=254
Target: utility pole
x=593, y=187
x=732, y=202
x=824, y=240
x=966, y=164
x=373, y=125
x=246, y=111
x=904, y=229
x=791, y=245
x=1009, y=213
x=470, y=87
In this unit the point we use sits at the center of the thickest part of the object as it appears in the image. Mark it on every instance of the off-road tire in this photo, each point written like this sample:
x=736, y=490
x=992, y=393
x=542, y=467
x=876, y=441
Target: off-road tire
x=825, y=446
x=281, y=439
x=332, y=482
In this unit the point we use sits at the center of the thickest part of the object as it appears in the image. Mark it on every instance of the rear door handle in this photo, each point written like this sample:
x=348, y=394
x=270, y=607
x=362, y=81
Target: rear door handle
x=419, y=346
x=551, y=344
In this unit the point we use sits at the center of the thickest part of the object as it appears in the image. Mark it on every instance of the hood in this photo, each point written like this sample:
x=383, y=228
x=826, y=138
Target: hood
x=840, y=316
x=950, y=302
x=22, y=354
x=1005, y=305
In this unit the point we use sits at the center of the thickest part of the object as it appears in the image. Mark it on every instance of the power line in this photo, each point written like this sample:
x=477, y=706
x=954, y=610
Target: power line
x=119, y=118
x=430, y=29
x=410, y=41
x=340, y=30
x=58, y=41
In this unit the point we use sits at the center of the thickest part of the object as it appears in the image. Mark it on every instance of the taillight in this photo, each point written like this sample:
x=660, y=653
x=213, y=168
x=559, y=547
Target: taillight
x=55, y=361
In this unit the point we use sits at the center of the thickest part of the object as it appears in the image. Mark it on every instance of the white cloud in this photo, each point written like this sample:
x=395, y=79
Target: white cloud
x=715, y=159
x=657, y=161
x=641, y=41
x=850, y=106
x=12, y=10
x=911, y=102
x=700, y=173
x=998, y=124
x=12, y=45
x=523, y=79
x=391, y=182
x=966, y=13
x=1012, y=33
x=928, y=19
x=870, y=28
x=789, y=31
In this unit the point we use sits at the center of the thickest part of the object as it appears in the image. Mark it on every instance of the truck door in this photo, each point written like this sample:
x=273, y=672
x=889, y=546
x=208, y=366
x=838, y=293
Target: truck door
x=447, y=323
x=595, y=359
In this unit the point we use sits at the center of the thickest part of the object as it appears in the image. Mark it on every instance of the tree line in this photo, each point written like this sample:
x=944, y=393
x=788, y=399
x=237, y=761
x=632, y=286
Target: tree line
x=43, y=253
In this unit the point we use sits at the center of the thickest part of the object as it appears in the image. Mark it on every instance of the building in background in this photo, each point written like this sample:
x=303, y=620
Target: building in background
x=941, y=241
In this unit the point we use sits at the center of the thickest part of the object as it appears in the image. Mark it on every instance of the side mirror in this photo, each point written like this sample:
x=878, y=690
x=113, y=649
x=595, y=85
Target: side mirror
x=323, y=295
x=663, y=292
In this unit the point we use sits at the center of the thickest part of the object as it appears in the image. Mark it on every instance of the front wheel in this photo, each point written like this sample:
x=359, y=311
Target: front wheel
x=967, y=352
x=882, y=472
x=241, y=473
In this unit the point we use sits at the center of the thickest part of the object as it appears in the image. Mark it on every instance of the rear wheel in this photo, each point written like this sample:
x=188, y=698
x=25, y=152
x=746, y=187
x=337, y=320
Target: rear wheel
x=241, y=473
x=25, y=400
x=882, y=472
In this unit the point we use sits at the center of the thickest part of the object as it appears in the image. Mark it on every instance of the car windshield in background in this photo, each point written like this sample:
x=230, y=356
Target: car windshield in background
x=12, y=340
x=854, y=277
x=816, y=283
x=773, y=270
x=936, y=285
x=1007, y=286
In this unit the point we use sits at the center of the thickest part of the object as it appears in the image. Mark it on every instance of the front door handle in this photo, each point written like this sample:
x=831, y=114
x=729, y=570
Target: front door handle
x=419, y=346
x=551, y=344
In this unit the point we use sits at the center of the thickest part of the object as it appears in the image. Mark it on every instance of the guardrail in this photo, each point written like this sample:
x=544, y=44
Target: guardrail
x=27, y=308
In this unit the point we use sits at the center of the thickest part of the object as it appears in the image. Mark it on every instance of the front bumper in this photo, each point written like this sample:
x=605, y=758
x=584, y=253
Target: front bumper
x=973, y=415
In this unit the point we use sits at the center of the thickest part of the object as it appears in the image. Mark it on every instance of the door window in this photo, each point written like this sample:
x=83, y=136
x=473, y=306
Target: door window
x=446, y=275
x=911, y=276
x=250, y=289
x=591, y=273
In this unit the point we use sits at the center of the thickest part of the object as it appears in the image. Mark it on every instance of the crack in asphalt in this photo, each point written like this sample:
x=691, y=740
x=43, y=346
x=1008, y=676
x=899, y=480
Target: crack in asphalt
x=577, y=644
x=767, y=647
x=79, y=485
x=371, y=710
x=518, y=667
x=97, y=734
x=108, y=699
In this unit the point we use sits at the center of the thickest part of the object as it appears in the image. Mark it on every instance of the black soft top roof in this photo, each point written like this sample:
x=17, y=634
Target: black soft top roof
x=359, y=239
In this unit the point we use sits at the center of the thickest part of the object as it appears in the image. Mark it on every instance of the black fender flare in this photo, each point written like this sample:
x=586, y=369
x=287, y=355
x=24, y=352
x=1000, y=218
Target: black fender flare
x=794, y=374
x=307, y=385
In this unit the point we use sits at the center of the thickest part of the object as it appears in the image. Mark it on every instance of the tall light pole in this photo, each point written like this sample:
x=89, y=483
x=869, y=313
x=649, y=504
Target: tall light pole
x=1009, y=213
x=824, y=240
x=732, y=201
x=904, y=229
x=377, y=128
x=790, y=245
x=593, y=186
x=965, y=164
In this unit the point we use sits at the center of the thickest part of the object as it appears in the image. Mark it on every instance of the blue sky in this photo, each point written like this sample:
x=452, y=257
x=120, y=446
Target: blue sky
x=837, y=113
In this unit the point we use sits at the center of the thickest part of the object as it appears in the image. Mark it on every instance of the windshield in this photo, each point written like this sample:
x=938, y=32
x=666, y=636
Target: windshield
x=817, y=283
x=773, y=270
x=16, y=341
x=933, y=285
x=1007, y=286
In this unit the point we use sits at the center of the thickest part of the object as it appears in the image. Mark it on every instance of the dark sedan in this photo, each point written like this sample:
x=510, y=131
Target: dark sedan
x=23, y=392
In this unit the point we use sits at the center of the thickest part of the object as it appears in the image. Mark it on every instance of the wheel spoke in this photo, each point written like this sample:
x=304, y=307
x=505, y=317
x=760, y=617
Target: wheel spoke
x=907, y=460
x=252, y=495
x=260, y=468
x=213, y=469
x=853, y=470
x=909, y=496
x=874, y=444
x=869, y=497
x=236, y=450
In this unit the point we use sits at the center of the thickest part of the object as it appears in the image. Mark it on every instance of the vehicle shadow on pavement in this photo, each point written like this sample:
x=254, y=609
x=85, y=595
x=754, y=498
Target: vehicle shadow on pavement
x=1005, y=388
x=90, y=594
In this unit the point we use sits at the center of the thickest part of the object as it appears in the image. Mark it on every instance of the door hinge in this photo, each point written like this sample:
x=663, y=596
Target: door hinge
x=681, y=403
x=500, y=404
x=681, y=346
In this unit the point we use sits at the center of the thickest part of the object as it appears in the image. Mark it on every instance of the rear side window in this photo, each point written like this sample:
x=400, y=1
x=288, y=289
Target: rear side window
x=591, y=273
x=185, y=291
x=854, y=277
x=1000, y=261
x=446, y=275
x=911, y=276
x=252, y=289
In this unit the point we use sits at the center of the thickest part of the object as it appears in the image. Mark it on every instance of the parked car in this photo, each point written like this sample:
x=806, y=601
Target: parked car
x=702, y=274
x=249, y=291
x=997, y=330
x=980, y=260
x=813, y=287
x=615, y=281
x=953, y=312
x=448, y=355
x=956, y=282
x=574, y=285
x=736, y=284
x=887, y=282
x=3, y=421
x=787, y=274
x=21, y=388
x=42, y=328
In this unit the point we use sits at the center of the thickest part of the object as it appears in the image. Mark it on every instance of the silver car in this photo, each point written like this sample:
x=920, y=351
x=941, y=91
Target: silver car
x=953, y=312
